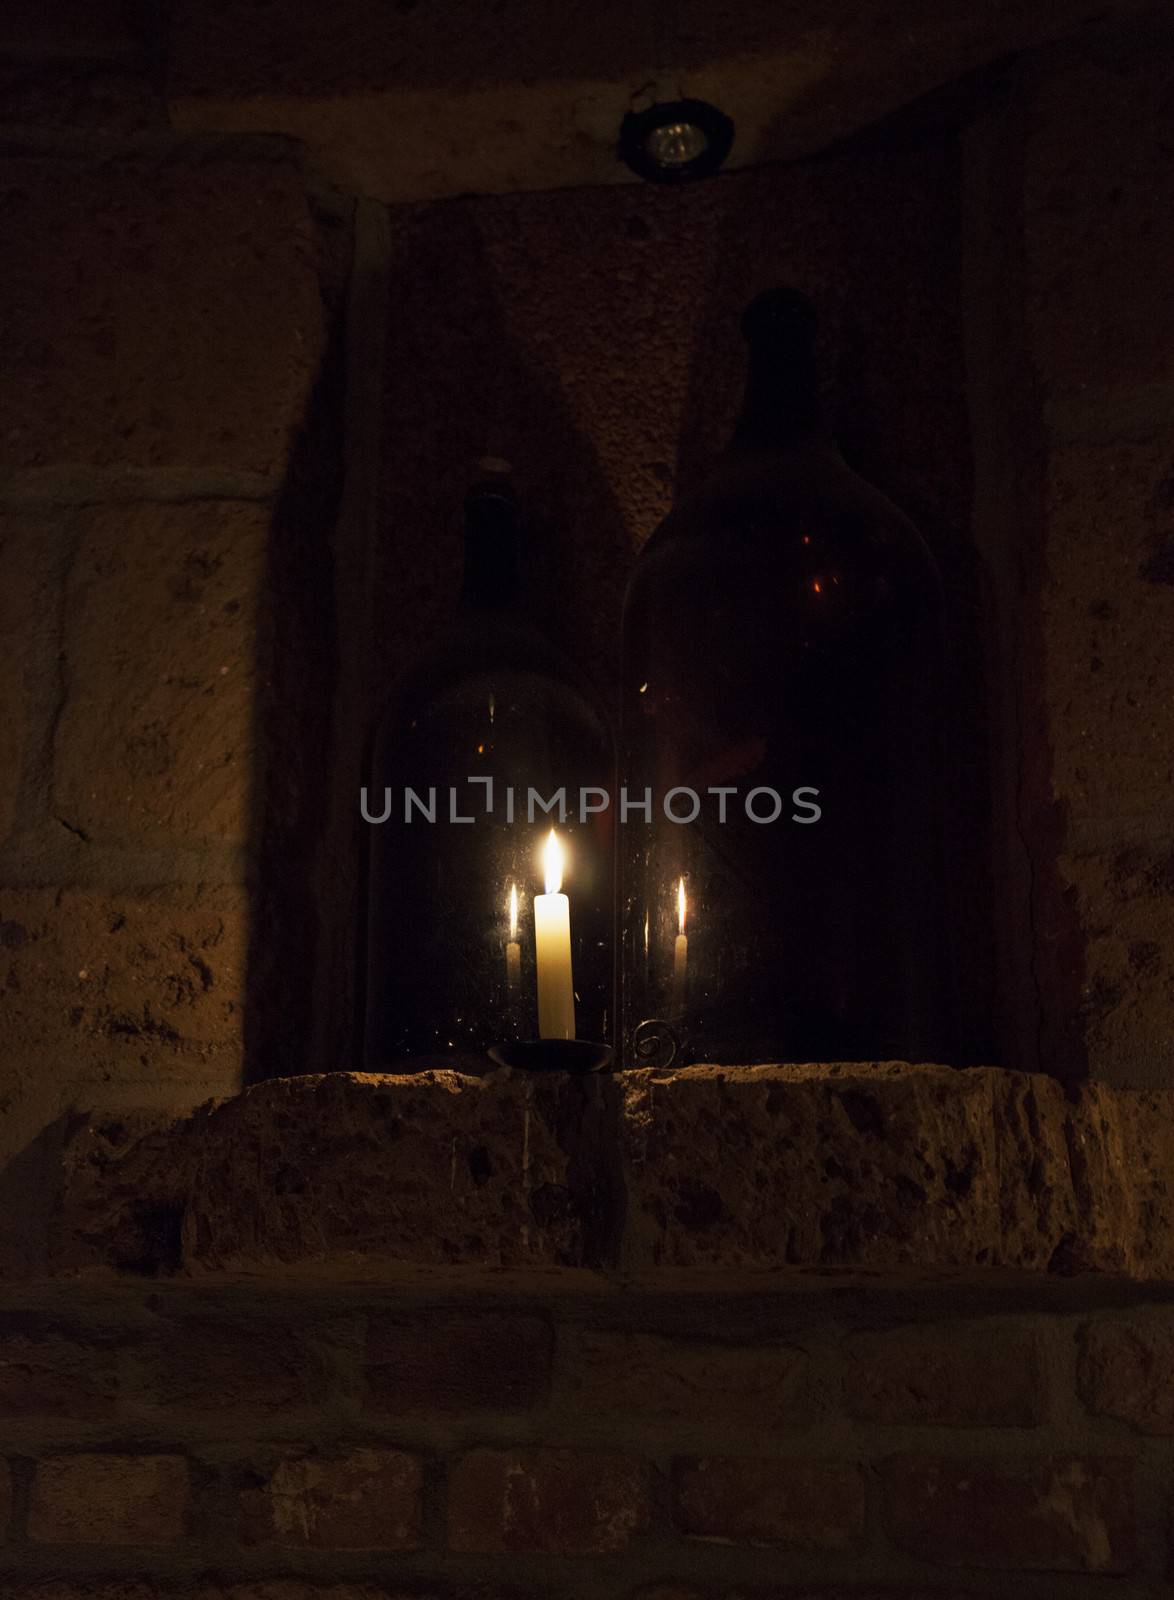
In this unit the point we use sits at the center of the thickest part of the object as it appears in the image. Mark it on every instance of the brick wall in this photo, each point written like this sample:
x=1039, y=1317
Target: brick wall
x=189, y=1442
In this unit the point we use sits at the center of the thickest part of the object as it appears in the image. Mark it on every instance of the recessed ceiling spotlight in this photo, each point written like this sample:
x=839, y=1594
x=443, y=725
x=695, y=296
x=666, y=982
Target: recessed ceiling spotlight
x=677, y=141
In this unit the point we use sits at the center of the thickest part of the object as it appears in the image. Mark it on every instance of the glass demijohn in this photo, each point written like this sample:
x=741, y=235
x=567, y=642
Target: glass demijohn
x=486, y=736
x=783, y=646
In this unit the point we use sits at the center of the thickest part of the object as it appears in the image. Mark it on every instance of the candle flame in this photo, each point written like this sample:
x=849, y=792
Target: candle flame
x=552, y=858
x=513, y=912
x=680, y=905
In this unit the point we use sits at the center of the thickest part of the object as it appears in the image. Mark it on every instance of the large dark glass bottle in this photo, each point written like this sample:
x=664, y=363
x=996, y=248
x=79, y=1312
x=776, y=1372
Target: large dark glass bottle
x=495, y=713
x=783, y=637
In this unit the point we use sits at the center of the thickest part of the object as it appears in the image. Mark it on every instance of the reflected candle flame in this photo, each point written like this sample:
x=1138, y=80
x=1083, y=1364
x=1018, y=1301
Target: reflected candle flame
x=680, y=951
x=513, y=950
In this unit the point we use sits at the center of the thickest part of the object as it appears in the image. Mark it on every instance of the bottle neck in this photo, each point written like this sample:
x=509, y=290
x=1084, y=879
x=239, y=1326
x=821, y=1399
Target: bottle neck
x=781, y=403
x=492, y=559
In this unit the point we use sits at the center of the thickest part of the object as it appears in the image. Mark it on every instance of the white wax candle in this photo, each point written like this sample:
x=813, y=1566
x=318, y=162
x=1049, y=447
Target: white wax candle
x=680, y=949
x=552, y=951
x=513, y=950
x=680, y=959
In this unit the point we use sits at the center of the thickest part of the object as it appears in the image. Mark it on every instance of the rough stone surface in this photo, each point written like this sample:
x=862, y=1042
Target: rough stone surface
x=123, y=987
x=47, y=1370
x=108, y=1500
x=835, y=1592
x=311, y=1589
x=1120, y=1154
x=264, y=1589
x=156, y=738
x=971, y=1376
x=1108, y=605
x=803, y=1505
x=396, y=109
x=26, y=617
x=1099, y=204
x=430, y=1169
x=695, y=1200
x=366, y=1499
x=124, y=1184
x=456, y=1363
x=194, y=347
x=207, y=1364
x=1046, y=1515
x=1126, y=1370
x=852, y=1591
x=1126, y=910
x=123, y=1000
x=748, y=1390
x=890, y=1166
x=661, y=1591
x=730, y=1173
x=549, y=1501
x=1097, y=124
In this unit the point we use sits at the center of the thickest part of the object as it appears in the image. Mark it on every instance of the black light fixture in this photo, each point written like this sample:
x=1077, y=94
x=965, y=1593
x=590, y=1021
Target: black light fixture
x=676, y=141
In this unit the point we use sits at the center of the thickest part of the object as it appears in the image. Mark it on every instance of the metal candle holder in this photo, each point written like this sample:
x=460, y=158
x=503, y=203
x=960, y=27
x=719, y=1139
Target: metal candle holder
x=553, y=1055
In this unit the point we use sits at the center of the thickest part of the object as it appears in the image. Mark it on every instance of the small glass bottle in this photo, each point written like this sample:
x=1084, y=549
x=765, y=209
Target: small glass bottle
x=783, y=648
x=493, y=717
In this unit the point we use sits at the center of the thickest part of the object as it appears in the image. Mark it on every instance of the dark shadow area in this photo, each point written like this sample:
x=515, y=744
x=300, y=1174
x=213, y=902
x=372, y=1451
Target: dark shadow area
x=30, y=1184
x=296, y=660
x=872, y=231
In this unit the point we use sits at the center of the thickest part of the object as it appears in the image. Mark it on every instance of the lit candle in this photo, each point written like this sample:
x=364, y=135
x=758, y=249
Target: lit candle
x=680, y=949
x=513, y=950
x=552, y=950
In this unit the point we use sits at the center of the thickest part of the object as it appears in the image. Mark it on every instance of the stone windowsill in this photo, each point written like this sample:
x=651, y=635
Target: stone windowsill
x=703, y=1176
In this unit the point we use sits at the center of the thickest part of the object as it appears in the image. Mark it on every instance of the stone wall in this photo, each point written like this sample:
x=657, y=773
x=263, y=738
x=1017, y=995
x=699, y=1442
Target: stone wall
x=200, y=624
x=736, y=1177
x=168, y=441
x=196, y=636
x=222, y=537
x=1069, y=334
x=349, y=1444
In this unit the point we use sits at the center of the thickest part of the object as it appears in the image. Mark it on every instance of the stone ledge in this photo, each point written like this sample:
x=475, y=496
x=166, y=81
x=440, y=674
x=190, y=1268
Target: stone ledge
x=349, y=1173
x=890, y=1166
x=703, y=1176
